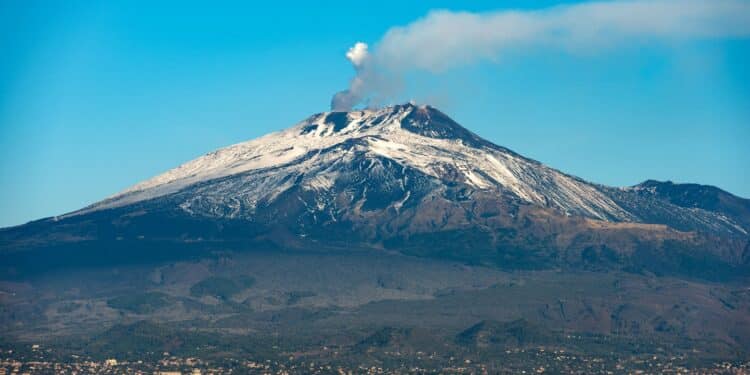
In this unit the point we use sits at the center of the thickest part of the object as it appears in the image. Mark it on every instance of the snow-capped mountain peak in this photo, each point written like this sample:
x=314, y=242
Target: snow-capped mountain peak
x=315, y=153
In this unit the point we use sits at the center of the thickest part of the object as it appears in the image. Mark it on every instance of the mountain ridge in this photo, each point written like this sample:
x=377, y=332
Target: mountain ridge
x=376, y=130
x=373, y=130
x=407, y=179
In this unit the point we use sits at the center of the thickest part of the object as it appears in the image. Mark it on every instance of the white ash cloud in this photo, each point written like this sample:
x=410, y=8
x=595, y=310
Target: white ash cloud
x=446, y=39
x=358, y=54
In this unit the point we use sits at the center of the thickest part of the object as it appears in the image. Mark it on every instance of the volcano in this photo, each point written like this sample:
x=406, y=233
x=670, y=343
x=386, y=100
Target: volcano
x=409, y=179
x=382, y=231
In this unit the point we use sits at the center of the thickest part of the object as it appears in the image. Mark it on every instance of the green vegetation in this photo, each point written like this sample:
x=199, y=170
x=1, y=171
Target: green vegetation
x=221, y=287
x=68, y=307
x=489, y=346
x=141, y=303
x=517, y=333
x=297, y=295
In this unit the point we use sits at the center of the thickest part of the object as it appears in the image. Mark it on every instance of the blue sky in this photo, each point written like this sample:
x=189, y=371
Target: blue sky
x=95, y=97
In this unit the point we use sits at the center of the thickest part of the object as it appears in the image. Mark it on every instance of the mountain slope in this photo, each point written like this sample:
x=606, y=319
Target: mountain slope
x=703, y=197
x=409, y=179
x=318, y=151
x=387, y=236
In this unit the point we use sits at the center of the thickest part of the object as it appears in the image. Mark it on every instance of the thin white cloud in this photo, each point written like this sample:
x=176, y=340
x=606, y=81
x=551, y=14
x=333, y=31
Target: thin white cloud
x=446, y=39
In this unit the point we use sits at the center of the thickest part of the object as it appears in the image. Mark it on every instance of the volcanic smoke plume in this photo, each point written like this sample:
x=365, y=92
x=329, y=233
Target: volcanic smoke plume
x=358, y=55
x=445, y=39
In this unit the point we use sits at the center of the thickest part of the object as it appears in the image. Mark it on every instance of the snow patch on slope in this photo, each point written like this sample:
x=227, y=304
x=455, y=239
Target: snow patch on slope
x=269, y=165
